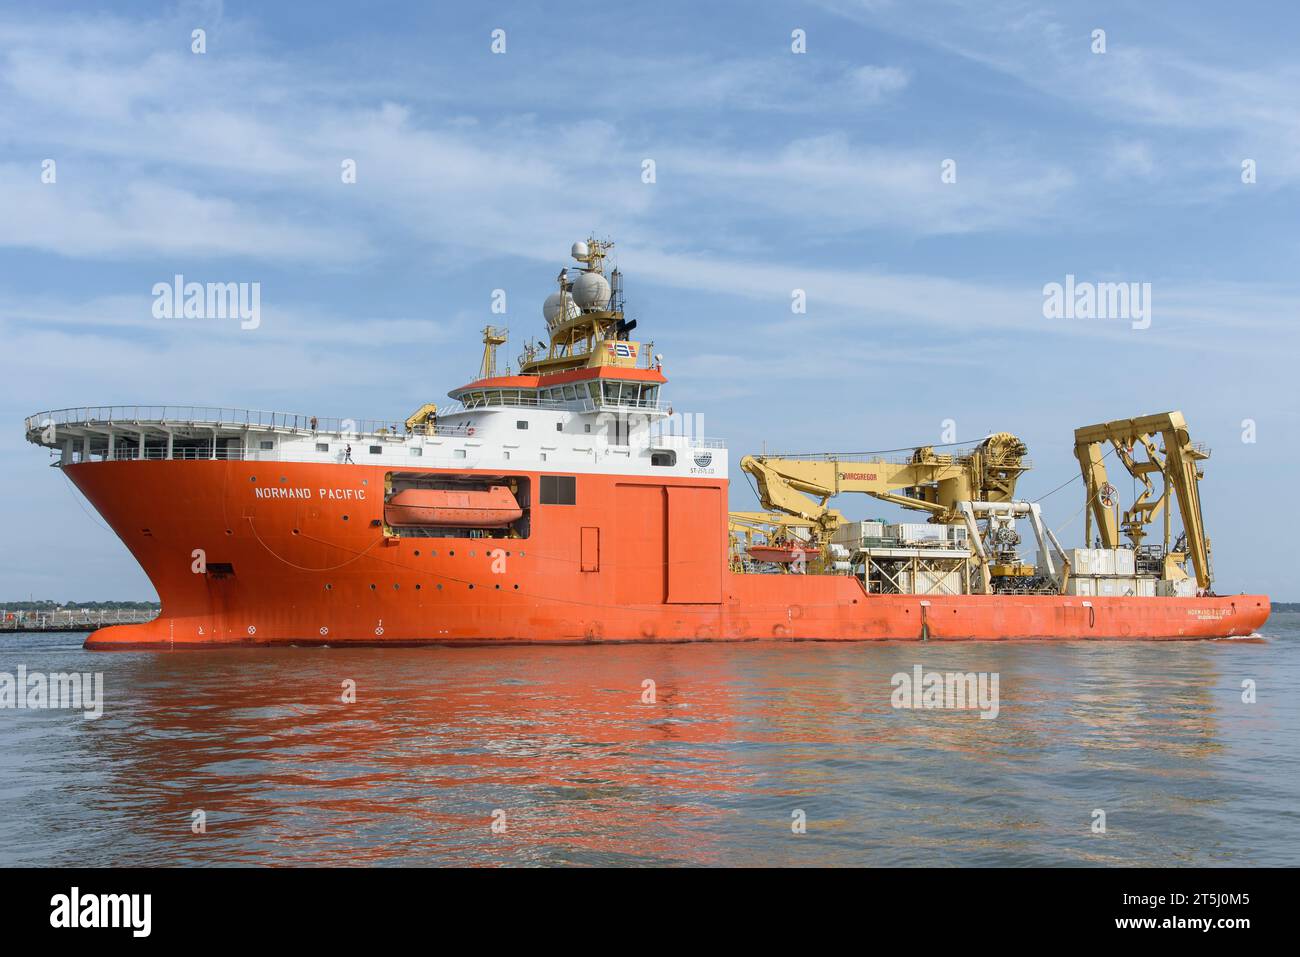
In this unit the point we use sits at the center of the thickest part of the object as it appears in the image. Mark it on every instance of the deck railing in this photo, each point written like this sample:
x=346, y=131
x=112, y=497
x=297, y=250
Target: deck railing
x=72, y=618
x=207, y=416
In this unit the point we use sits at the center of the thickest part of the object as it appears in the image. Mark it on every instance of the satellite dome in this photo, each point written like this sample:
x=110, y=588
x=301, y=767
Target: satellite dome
x=591, y=291
x=551, y=308
x=579, y=251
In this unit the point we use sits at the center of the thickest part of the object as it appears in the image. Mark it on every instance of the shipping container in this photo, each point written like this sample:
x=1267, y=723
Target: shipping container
x=857, y=533
x=916, y=532
x=1100, y=561
x=1178, y=588
x=932, y=583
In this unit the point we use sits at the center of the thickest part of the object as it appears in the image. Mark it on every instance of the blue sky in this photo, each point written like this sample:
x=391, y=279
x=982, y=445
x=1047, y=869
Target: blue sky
x=775, y=171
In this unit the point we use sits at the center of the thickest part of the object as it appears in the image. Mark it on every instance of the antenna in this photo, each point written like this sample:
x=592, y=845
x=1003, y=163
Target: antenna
x=493, y=337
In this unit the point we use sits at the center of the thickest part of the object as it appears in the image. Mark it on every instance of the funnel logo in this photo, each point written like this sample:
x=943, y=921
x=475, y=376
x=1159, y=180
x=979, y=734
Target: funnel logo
x=703, y=463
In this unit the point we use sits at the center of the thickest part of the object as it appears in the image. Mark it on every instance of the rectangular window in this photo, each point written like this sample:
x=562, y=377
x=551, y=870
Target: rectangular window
x=559, y=490
x=458, y=454
x=587, y=427
x=521, y=424
x=376, y=450
x=559, y=426
x=417, y=451
x=322, y=446
x=266, y=444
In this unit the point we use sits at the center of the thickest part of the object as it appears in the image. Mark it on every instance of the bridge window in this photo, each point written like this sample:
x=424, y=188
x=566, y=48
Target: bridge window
x=559, y=490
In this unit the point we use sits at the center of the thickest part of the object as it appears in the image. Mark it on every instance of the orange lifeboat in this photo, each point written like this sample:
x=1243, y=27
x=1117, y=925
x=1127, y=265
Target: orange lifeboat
x=781, y=554
x=447, y=508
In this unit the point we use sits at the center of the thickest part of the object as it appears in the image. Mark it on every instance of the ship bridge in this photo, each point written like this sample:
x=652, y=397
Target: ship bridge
x=588, y=399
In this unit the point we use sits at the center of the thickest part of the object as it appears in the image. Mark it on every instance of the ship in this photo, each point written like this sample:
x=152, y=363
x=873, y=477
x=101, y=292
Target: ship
x=563, y=500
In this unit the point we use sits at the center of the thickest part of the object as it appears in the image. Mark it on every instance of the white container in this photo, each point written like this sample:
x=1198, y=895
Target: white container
x=1180, y=588
x=915, y=532
x=854, y=533
x=1125, y=561
x=1146, y=587
x=1080, y=586
x=938, y=583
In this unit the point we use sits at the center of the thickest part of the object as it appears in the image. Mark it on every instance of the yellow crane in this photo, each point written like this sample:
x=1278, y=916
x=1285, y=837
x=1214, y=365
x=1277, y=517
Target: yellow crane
x=927, y=480
x=1178, y=466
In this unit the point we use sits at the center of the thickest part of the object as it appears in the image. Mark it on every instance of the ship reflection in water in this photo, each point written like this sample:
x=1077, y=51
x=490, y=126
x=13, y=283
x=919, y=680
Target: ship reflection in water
x=738, y=740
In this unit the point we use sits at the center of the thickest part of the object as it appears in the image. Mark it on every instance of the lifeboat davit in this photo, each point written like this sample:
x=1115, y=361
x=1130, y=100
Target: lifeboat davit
x=781, y=554
x=495, y=507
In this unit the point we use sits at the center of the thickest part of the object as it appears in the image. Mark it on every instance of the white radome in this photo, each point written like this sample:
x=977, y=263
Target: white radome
x=579, y=251
x=551, y=307
x=591, y=291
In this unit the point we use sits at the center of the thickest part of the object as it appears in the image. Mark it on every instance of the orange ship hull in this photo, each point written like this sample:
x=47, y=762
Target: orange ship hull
x=255, y=553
